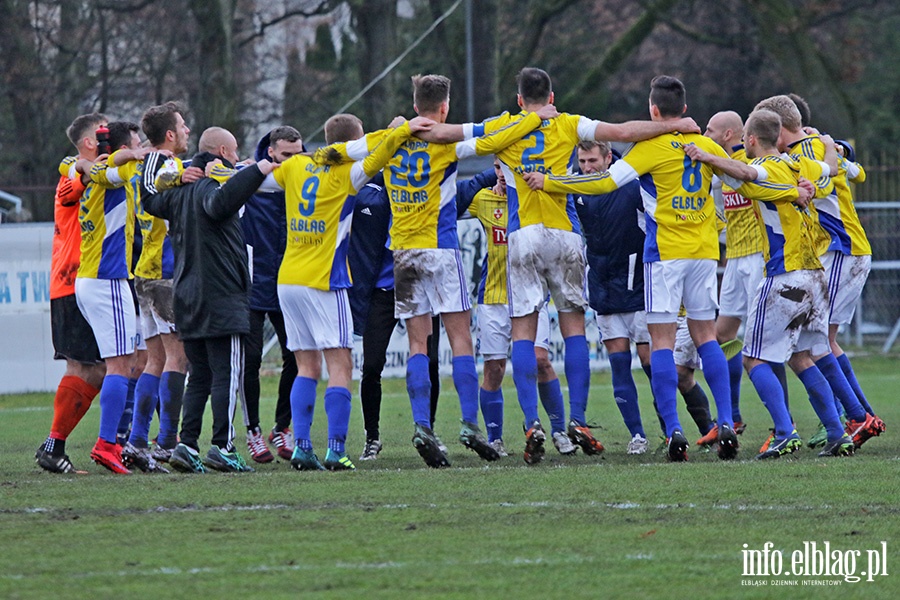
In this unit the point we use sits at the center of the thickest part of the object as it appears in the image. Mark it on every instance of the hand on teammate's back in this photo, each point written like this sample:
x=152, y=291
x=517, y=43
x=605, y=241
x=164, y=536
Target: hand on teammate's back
x=397, y=121
x=534, y=180
x=547, y=112
x=266, y=166
x=421, y=124
x=192, y=174
x=695, y=153
x=806, y=192
x=686, y=125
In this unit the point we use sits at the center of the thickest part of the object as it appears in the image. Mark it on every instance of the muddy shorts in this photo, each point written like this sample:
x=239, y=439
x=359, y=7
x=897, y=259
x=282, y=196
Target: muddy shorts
x=544, y=260
x=846, y=277
x=429, y=281
x=156, y=298
x=789, y=314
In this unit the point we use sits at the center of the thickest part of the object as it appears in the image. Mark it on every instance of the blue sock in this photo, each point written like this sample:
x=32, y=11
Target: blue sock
x=112, y=404
x=735, y=372
x=648, y=371
x=127, y=411
x=553, y=403
x=830, y=368
x=303, y=404
x=715, y=370
x=625, y=392
x=465, y=380
x=171, y=393
x=146, y=395
x=665, y=385
x=524, y=365
x=770, y=392
x=492, y=410
x=337, y=410
x=418, y=386
x=822, y=399
x=781, y=373
x=844, y=362
x=578, y=376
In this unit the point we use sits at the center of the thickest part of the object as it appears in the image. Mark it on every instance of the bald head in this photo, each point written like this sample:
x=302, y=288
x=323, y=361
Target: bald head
x=219, y=141
x=724, y=128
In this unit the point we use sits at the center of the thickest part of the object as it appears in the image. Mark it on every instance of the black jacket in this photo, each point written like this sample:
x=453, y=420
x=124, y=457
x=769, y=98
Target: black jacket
x=212, y=279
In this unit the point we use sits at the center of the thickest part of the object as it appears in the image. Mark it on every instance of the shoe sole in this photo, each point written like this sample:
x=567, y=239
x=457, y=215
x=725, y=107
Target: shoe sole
x=482, y=449
x=117, y=468
x=587, y=444
x=677, y=451
x=728, y=445
x=336, y=466
x=843, y=450
x=430, y=453
x=264, y=459
x=534, y=448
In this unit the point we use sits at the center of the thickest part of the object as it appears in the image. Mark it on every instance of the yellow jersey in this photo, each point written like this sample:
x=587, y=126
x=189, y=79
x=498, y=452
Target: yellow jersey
x=107, y=222
x=826, y=201
x=788, y=232
x=742, y=233
x=846, y=224
x=678, y=204
x=421, y=183
x=493, y=212
x=157, y=260
x=545, y=150
x=319, y=210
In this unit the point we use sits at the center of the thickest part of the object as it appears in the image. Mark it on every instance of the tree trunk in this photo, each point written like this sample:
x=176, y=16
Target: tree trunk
x=215, y=99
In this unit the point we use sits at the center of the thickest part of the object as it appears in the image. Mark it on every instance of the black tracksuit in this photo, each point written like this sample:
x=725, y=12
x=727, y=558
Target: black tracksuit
x=212, y=283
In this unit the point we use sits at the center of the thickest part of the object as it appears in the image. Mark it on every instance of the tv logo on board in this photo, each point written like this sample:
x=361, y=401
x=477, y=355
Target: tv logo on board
x=813, y=560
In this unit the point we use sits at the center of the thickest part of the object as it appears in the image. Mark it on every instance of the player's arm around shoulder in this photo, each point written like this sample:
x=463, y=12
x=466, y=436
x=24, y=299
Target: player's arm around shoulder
x=227, y=200
x=708, y=152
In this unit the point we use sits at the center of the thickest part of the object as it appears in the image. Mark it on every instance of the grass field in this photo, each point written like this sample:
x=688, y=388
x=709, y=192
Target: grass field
x=614, y=527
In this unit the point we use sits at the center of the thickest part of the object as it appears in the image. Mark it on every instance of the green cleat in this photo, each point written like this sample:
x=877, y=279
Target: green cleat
x=778, y=448
x=843, y=446
x=305, y=460
x=335, y=461
x=227, y=462
x=186, y=459
x=819, y=438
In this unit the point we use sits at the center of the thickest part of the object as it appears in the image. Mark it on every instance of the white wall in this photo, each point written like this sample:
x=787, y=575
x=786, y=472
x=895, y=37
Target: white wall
x=26, y=348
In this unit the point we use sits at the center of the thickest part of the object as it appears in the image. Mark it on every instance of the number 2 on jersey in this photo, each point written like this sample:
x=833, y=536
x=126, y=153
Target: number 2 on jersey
x=528, y=161
x=413, y=169
x=308, y=196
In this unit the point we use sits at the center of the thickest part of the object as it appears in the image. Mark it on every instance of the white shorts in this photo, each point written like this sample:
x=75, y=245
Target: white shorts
x=742, y=275
x=542, y=260
x=156, y=299
x=631, y=326
x=846, y=277
x=495, y=330
x=685, y=351
x=108, y=306
x=789, y=314
x=670, y=283
x=315, y=319
x=429, y=281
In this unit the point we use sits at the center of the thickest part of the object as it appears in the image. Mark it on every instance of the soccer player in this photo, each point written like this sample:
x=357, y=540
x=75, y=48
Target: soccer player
x=211, y=292
x=613, y=226
x=163, y=377
x=313, y=281
x=546, y=249
x=73, y=340
x=788, y=317
x=102, y=289
x=680, y=254
x=264, y=228
x=372, y=296
x=495, y=327
x=846, y=257
x=743, y=251
x=427, y=266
